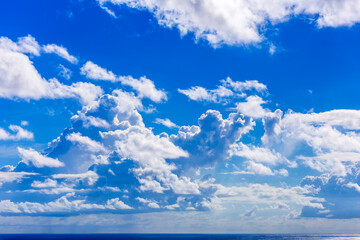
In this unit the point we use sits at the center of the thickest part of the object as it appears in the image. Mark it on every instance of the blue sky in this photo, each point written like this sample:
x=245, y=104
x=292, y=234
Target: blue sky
x=180, y=116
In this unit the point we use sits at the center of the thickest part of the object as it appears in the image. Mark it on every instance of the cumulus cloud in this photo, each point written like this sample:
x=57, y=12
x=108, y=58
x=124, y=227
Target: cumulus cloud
x=26, y=44
x=210, y=142
x=324, y=141
x=30, y=156
x=241, y=22
x=20, y=79
x=144, y=87
x=18, y=133
x=224, y=93
x=108, y=158
x=252, y=107
x=60, y=205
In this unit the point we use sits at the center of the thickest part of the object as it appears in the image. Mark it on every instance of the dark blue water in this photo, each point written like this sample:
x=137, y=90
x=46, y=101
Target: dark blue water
x=180, y=236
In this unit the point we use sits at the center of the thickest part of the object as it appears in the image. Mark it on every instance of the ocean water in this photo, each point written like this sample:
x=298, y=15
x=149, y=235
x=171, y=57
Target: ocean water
x=181, y=236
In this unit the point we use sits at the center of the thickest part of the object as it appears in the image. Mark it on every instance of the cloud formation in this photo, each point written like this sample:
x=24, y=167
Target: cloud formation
x=145, y=88
x=19, y=79
x=240, y=22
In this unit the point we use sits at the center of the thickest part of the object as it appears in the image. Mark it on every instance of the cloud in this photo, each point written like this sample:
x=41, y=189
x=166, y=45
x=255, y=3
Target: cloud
x=340, y=194
x=18, y=133
x=149, y=203
x=353, y=185
x=252, y=107
x=59, y=205
x=26, y=44
x=259, y=168
x=224, y=93
x=241, y=22
x=269, y=195
x=20, y=79
x=166, y=122
x=108, y=158
x=60, y=51
x=209, y=142
x=144, y=87
x=6, y=177
x=29, y=45
x=24, y=123
x=258, y=154
x=64, y=72
x=30, y=156
x=323, y=141
x=86, y=142
x=90, y=177
x=95, y=72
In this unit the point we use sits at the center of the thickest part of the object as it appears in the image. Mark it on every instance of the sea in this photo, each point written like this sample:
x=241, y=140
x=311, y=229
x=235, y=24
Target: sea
x=181, y=236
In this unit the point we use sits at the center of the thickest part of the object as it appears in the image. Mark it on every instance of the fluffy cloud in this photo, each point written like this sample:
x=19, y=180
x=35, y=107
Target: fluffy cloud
x=269, y=195
x=108, y=158
x=60, y=205
x=20, y=79
x=224, y=93
x=340, y=194
x=210, y=142
x=26, y=44
x=252, y=107
x=6, y=177
x=30, y=156
x=166, y=122
x=323, y=141
x=18, y=133
x=144, y=87
x=241, y=22
x=60, y=51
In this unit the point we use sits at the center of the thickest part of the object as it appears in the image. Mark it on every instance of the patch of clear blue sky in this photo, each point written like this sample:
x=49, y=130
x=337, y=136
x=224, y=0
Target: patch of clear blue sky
x=325, y=61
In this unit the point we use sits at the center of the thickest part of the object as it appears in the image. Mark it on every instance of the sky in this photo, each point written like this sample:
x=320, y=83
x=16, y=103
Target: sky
x=180, y=116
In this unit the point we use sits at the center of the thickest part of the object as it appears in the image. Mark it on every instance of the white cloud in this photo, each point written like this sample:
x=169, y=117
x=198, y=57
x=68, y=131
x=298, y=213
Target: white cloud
x=18, y=133
x=60, y=51
x=64, y=72
x=225, y=92
x=90, y=177
x=258, y=154
x=24, y=123
x=86, y=142
x=244, y=86
x=38, y=160
x=252, y=107
x=48, y=183
x=269, y=195
x=259, y=168
x=144, y=87
x=95, y=72
x=10, y=176
x=20, y=79
x=60, y=205
x=26, y=44
x=353, y=185
x=149, y=203
x=197, y=94
x=327, y=142
x=242, y=22
x=166, y=122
